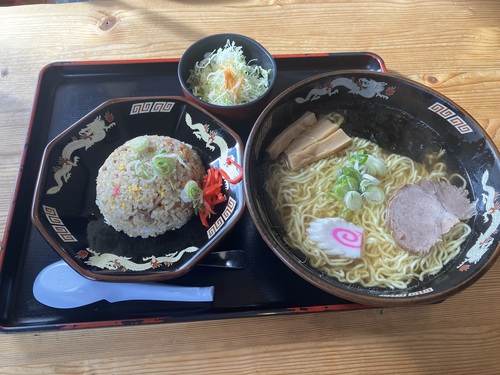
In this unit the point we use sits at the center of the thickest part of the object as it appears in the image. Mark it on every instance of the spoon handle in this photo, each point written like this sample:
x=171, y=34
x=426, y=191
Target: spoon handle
x=159, y=292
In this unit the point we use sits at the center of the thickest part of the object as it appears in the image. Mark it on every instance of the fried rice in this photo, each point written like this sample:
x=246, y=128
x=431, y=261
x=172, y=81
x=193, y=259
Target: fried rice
x=139, y=185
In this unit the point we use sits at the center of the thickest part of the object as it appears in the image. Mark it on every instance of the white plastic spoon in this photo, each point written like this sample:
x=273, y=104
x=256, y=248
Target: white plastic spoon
x=59, y=286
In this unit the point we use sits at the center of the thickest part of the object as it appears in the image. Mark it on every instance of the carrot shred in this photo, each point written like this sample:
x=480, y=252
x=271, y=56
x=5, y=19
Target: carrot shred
x=230, y=80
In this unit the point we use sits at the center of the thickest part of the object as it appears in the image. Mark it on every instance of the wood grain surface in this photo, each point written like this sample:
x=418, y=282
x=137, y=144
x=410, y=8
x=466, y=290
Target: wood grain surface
x=451, y=46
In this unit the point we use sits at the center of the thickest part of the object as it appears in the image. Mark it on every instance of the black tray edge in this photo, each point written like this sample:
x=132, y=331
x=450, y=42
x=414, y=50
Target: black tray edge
x=248, y=313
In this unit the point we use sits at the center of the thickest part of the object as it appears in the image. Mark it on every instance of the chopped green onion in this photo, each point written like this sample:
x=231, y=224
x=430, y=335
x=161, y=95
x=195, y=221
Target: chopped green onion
x=192, y=193
x=370, y=178
x=353, y=201
x=139, y=144
x=144, y=171
x=351, y=177
x=163, y=165
x=374, y=195
x=141, y=170
x=375, y=166
x=364, y=185
x=359, y=157
x=356, y=183
x=367, y=181
x=346, y=214
x=195, y=193
x=339, y=190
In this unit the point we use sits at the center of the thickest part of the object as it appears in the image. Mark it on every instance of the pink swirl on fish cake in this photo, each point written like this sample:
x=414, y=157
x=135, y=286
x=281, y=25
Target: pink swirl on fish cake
x=348, y=238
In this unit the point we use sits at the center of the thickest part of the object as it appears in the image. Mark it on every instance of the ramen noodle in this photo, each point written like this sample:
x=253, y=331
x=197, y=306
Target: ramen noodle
x=300, y=197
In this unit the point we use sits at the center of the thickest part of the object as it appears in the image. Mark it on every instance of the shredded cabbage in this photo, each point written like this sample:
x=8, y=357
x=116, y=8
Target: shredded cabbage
x=224, y=77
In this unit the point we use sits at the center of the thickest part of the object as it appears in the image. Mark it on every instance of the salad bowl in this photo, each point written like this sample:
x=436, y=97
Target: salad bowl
x=235, y=56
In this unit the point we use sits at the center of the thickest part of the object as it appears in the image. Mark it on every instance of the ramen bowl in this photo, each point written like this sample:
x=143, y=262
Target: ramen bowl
x=403, y=118
x=254, y=54
x=65, y=210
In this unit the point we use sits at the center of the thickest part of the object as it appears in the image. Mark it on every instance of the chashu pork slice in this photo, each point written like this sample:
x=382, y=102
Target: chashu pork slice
x=288, y=135
x=419, y=214
x=452, y=198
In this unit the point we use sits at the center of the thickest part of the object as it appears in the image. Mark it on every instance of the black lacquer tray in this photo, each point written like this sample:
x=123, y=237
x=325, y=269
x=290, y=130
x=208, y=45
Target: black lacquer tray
x=68, y=91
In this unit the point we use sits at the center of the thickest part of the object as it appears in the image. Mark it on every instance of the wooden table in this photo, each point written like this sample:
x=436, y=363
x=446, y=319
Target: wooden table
x=452, y=46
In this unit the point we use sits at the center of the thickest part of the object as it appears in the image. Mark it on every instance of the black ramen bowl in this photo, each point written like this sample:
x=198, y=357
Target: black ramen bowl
x=65, y=211
x=255, y=54
x=402, y=117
